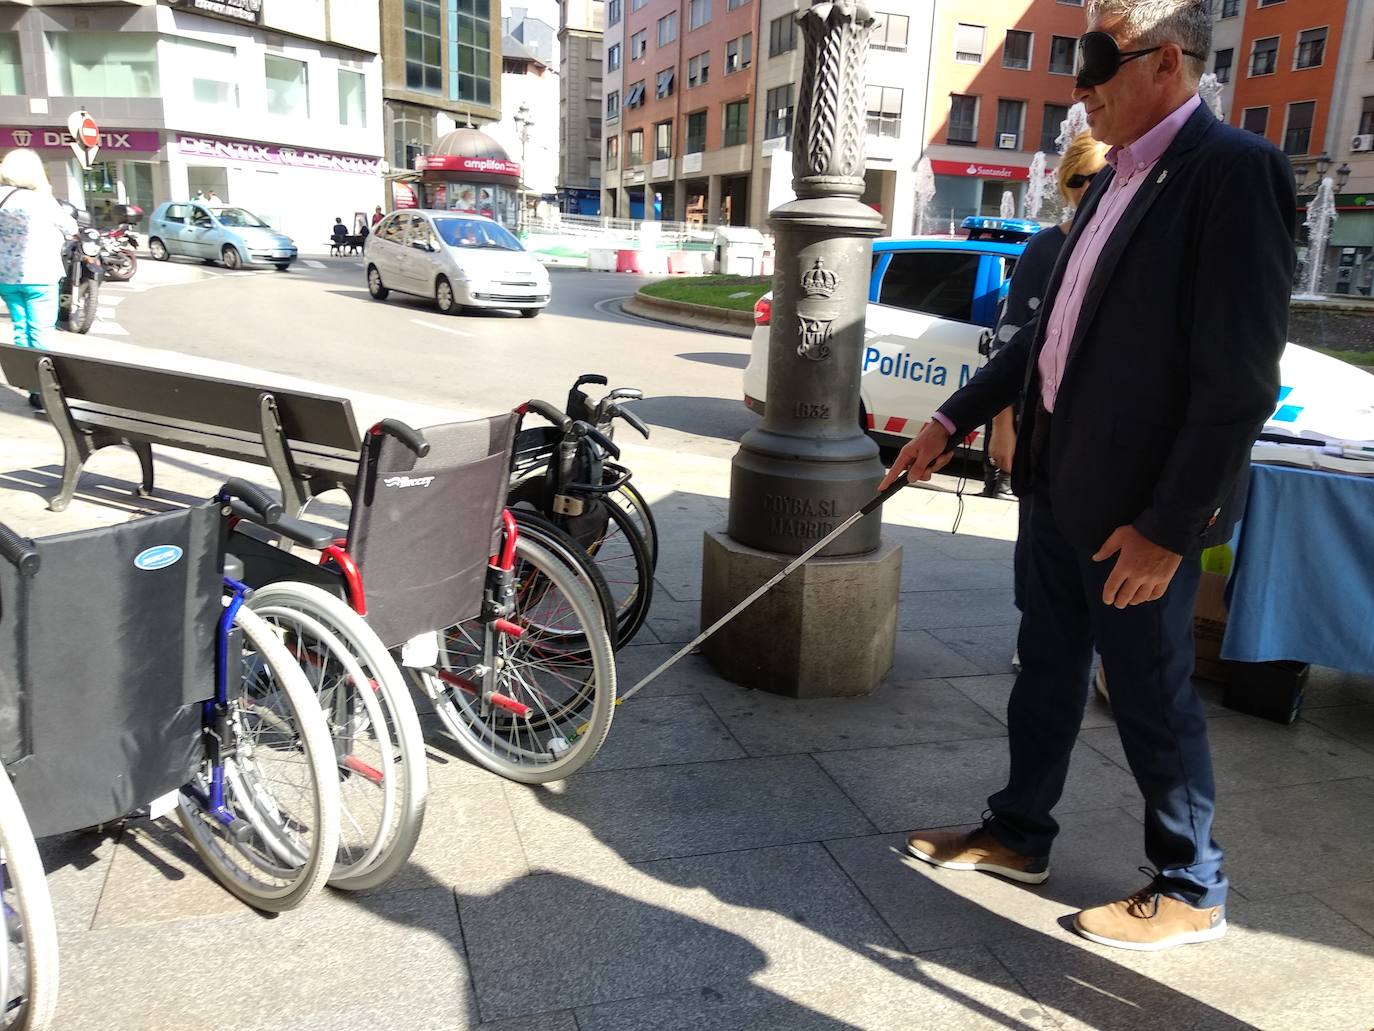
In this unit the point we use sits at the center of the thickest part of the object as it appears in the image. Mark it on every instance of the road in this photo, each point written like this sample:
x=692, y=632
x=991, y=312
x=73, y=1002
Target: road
x=320, y=323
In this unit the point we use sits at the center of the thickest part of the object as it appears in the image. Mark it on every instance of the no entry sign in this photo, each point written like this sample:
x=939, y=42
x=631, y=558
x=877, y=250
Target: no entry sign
x=85, y=136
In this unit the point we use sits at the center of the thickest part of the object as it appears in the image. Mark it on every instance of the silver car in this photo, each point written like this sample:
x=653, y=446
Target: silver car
x=462, y=261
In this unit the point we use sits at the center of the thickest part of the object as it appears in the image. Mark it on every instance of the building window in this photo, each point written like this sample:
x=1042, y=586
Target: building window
x=1071, y=3
x=1055, y=117
x=470, y=51
x=1011, y=115
x=667, y=29
x=1255, y=120
x=613, y=12
x=1264, y=58
x=1297, y=138
x=884, y=111
x=736, y=124
x=1311, y=48
x=288, y=89
x=963, y=120
x=968, y=43
x=424, y=46
x=663, y=140
x=665, y=83
x=696, y=132
x=699, y=70
x=1230, y=8
x=612, y=151
x=782, y=35
x=1063, y=54
x=412, y=133
x=777, y=121
x=698, y=13
x=1367, y=117
x=734, y=4
x=739, y=53
x=352, y=98
x=613, y=57
x=613, y=105
x=102, y=64
x=1269, y=3
x=593, y=128
x=634, y=96
x=635, y=147
x=639, y=44
x=890, y=32
x=1221, y=67
x=213, y=71
x=638, y=5
x=11, y=65
x=1016, y=51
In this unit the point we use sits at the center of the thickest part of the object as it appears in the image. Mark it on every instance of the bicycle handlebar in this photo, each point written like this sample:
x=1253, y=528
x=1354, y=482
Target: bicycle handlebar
x=265, y=508
x=547, y=411
x=407, y=435
x=18, y=551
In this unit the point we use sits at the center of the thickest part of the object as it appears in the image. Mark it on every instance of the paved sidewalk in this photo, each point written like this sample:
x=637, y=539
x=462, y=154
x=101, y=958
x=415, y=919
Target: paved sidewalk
x=733, y=860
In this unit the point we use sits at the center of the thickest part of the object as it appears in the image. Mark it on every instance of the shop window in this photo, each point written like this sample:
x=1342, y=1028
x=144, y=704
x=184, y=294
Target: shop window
x=11, y=65
x=352, y=98
x=103, y=64
x=934, y=283
x=287, y=86
x=424, y=42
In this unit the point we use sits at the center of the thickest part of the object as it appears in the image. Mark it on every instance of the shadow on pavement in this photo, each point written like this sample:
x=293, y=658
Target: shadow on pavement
x=725, y=359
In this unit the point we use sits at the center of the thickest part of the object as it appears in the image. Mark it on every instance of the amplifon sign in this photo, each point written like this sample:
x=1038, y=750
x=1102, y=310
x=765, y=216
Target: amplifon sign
x=976, y=170
x=454, y=163
x=61, y=139
x=267, y=154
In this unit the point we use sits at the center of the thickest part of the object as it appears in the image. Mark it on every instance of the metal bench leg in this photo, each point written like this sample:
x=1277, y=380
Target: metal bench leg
x=144, y=451
x=75, y=448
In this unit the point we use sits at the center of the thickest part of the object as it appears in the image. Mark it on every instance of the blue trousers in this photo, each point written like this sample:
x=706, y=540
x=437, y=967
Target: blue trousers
x=1148, y=650
x=33, y=309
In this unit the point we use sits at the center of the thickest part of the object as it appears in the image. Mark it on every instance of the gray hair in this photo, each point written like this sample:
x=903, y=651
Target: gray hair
x=1152, y=23
x=24, y=168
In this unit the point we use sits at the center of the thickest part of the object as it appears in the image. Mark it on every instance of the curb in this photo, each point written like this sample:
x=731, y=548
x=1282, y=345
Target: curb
x=691, y=316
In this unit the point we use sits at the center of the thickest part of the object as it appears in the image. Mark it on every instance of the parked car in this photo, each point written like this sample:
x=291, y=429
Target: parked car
x=933, y=304
x=460, y=260
x=231, y=235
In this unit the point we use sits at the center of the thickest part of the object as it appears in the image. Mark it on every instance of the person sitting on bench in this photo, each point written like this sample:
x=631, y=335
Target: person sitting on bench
x=340, y=237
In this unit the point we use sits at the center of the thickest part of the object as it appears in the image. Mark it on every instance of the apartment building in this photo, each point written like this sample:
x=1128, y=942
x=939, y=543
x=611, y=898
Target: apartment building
x=581, y=24
x=1226, y=41
x=272, y=105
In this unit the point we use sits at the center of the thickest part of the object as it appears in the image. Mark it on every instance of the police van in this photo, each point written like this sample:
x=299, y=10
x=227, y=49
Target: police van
x=932, y=304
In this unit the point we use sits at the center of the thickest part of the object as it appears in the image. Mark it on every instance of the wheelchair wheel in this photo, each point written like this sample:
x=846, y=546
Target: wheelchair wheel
x=548, y=536
x=279, y=779
x=552, y=702
x=378, y=744
x=28, y=976
x=628, y=498
x=618, y=548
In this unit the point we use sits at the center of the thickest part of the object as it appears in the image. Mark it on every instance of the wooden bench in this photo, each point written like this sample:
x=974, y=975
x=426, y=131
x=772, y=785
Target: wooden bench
x=309, y=441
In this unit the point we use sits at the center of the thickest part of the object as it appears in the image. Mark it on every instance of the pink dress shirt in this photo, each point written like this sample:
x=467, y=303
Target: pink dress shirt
x=1132, y=165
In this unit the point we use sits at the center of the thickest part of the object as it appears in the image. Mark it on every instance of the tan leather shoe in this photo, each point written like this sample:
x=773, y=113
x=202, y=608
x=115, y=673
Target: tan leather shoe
x=976, y=850
x=1150, y=922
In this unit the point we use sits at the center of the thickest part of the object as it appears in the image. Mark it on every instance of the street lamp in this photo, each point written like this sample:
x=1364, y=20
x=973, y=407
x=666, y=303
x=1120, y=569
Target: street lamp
x=1323, y=165
x=523, y=122
x=1342, y=176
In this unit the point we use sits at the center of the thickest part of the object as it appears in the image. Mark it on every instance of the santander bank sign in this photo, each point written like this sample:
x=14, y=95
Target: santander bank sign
x=975, y=170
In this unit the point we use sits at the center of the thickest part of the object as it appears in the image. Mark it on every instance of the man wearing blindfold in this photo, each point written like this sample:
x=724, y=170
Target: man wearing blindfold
x=1150, y=372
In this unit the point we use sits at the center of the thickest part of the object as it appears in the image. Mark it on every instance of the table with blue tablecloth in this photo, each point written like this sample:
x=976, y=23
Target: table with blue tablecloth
x=1302, y=587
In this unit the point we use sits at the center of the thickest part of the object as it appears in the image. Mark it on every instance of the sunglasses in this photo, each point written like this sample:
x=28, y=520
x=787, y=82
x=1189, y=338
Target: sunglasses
x=1100, y=58
x=1080, y=179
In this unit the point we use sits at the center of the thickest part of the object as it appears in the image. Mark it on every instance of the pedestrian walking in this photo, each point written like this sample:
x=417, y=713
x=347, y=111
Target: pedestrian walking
x=1150, y=372
x=377, y=216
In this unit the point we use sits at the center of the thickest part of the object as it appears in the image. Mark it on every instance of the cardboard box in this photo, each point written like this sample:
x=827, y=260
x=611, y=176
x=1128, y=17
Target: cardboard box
x=1209, y=627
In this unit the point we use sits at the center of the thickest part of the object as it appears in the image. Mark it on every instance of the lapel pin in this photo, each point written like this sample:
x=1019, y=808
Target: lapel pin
x=1162, y=176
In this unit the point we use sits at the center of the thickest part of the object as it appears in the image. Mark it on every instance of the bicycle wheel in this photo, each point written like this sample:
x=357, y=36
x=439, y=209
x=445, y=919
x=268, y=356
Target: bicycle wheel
x=279, y=780
x=544, y=533
x=551, y=706
x=378, y=743
x=619, y=551
x=628, y=498
x=28, y=977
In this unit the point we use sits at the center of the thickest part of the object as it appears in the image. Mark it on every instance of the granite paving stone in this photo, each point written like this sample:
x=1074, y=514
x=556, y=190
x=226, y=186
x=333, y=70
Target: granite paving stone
x=664, y=731
x=899, y=712
x=1284, y=964
x=617, y=930
x=947, y=783
x=991, y=691
x=1327, y=686
x=388, y=961
x=1353, y=723
x=1248, y=752
x=674, y=622
x=953, y=990
x=1095, y=860
x=918, y=655
x=938, y=610
x=1355, y=902
x=557, y=1020
x=987, y=648
x=926, y=569
x=77, y=866
x=691, y=675
x=682, y=810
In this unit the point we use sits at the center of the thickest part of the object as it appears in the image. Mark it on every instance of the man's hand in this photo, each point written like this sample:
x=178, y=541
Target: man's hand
x=1002, y=450
x=923, y=455
x=1143, y=569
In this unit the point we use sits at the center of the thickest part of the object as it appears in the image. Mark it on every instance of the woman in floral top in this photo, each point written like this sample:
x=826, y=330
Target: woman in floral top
x=33, y=228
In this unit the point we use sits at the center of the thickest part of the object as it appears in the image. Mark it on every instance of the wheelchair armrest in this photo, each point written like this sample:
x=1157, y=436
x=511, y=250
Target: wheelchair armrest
x=312, y=535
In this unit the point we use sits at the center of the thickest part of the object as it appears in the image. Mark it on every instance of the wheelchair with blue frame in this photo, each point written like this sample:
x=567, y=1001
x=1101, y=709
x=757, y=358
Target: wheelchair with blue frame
x=133, y=676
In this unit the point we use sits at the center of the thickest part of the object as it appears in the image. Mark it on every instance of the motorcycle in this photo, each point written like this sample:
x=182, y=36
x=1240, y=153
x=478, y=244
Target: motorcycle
x=78, y=292
x=122, y=242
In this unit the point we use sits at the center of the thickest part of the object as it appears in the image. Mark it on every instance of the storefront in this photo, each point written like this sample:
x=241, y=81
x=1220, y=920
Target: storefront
x=973, y=188
x=470, y=172
x=124, y=171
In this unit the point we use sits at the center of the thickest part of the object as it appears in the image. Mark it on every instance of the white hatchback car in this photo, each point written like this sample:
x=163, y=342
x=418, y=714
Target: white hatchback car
x=462, y=261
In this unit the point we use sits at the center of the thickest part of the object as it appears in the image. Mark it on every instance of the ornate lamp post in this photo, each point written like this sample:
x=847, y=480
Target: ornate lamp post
x=523, y=123
x=830, y=628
